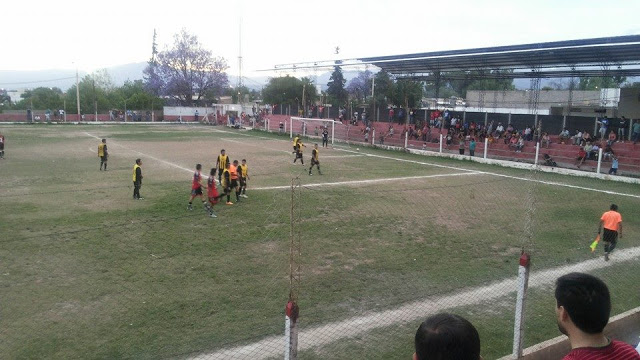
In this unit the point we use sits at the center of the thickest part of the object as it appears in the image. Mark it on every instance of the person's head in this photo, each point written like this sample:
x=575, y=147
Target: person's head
x=235, y=162
x=222, y=152
x=613, y=207
x=198, y=167
x=138, y=161
x=212, y=172
x=104, y=141
x=582, y=303
x=447, y=336
x=315, y=146
x=244, y=161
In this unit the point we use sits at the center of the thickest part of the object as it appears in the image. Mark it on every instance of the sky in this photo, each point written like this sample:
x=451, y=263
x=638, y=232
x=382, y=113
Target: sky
x=90, y=35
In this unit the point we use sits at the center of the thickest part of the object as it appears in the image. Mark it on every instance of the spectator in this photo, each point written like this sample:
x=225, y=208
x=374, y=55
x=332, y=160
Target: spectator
x=614, y=166
x=500, y=128
x=564, y=135
x=636, y=132
x=583, y=306
x=447, y=337
x=612, y=138
x=577, y=138
x=546, y=140
x=608, y=152
x=472, y=147
x=582, y=156
x=622, y=126
x=604, y=124
x=520, y=144
x=548, y=160
x=461, y=144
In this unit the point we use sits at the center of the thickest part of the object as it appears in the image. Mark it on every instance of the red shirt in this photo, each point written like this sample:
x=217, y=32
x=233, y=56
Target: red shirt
x=196, y=180
x=616, y=350
x=212, y=192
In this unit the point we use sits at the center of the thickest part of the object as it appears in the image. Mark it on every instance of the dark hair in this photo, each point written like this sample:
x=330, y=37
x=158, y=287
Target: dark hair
x=198, y=166
x=586, y=299
x=138, y=161
x=245, y=160
x=235, y=161
x=103, y=140
x=213, y=171
x=447, y=336
x=222, y=150
x=613, y=207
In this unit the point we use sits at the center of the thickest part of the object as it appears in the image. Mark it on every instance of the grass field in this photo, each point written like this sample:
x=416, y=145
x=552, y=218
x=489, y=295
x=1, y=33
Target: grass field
x=89, y=273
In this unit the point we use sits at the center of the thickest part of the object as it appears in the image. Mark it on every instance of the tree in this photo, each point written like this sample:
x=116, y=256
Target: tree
x=384, y=88
x=360, y=86
x=407, y=93
x=288, y=90
x=186, y=72
x=604, y=82
x=335, y=87
x=41, y=98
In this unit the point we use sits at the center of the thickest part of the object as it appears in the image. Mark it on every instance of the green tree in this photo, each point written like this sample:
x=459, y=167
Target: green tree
x=407, y=93
x=383, y=89
x=288, y=91
x=335, y=87
x=604, y=82
x=41, y=98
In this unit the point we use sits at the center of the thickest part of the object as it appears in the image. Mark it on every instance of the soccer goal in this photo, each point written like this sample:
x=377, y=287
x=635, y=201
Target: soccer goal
x=313, y=128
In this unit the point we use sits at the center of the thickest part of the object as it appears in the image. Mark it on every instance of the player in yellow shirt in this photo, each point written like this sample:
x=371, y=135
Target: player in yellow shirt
x=298, y=147
x=103, y=154
x=221, y=164
x=243, y=175
x=315, y=159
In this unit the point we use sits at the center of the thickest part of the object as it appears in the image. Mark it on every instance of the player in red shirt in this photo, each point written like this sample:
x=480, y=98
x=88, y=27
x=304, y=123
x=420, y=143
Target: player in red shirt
x=196, y=189
x=212, y=192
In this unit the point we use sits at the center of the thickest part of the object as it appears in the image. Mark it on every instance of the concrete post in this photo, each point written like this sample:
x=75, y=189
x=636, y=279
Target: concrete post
x=406, y=139
x=564, y=122
x=509, y=120
x=599, y=160
x=440, y=142
x=486, y=117
x=486, y=147
x=373, y=136
x=518, y=327
x=535, y=161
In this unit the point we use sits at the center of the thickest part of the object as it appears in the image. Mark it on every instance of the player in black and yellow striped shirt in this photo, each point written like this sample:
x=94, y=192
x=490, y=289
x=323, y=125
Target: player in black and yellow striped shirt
x=221, y=164
x=243, y=175
x=315, y=159
x=298, y=148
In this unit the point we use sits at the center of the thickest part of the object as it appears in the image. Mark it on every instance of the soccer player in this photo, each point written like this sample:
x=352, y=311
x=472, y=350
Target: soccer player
x=243, y=174
x=137, y=180
x=325, y=137
x=1, y=146
x=295, y=143
x=315, y=159
x=103, y=154
x=298, y=152
x=611, y=222
x=221, y=164
x=233, y=170
x=212, y=192
x=228, y=183
x=196, y=189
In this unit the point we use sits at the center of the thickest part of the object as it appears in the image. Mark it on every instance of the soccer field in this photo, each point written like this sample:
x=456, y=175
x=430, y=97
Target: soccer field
x=87, y=272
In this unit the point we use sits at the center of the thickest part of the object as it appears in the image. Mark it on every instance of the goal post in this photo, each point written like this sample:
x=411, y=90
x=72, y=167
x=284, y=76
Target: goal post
x=306, y=127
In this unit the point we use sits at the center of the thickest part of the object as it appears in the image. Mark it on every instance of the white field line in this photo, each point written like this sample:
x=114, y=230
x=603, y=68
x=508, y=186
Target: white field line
x=317, y=336
x=362, y=182
x=340, y=156
x=147, y=155
x=553, y=183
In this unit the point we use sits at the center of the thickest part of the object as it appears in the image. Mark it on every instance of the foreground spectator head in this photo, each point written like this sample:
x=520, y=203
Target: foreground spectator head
x=583, y=304
x=447, y=336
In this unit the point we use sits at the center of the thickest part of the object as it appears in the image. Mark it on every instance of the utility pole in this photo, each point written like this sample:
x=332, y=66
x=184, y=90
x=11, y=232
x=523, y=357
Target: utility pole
x=373, y=95
x=304, y=110
x=78, y=93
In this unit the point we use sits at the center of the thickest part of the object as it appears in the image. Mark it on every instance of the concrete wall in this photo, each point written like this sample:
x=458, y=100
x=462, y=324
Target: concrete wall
x=521, y=98
x=629, y=105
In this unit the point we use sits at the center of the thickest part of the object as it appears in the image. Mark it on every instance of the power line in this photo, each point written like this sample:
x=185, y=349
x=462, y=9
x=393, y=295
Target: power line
x=36, y=81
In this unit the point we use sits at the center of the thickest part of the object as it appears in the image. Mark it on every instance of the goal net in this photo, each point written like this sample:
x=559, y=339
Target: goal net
x=313, y=128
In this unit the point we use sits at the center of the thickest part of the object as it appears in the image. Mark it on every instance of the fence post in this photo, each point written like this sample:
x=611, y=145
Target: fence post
x=486, y=147
x=291, y=331
x=464, y=116
x=523, y=283
x=440, y=142
x=595, y=127
x=373, y=136
x=535, y=162
x=509, y=120
x=406, y=139
x=486, y=117
x=333, y=131
x=599, y=160
x=564, y=122
x=629, y=133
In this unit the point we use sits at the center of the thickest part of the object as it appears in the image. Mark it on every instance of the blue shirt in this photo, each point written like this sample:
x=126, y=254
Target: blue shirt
x=472, y=146
x=614, y=163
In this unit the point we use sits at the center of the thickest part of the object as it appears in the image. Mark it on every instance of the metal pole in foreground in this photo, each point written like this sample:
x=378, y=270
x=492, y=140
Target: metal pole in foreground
x=440, y=142
x=486, y=147
x=535, y=161
x=523, y=282
x=406, y=139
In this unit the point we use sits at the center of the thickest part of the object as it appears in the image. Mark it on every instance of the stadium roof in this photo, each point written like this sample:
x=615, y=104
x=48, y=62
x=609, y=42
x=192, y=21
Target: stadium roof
x=611, y=56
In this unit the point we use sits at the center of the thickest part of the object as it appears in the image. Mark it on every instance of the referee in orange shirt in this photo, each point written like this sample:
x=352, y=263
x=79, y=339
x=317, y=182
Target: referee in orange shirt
x=611, y=223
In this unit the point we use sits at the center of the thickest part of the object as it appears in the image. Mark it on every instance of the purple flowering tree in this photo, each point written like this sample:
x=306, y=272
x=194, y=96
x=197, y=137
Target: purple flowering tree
x=186, y=73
